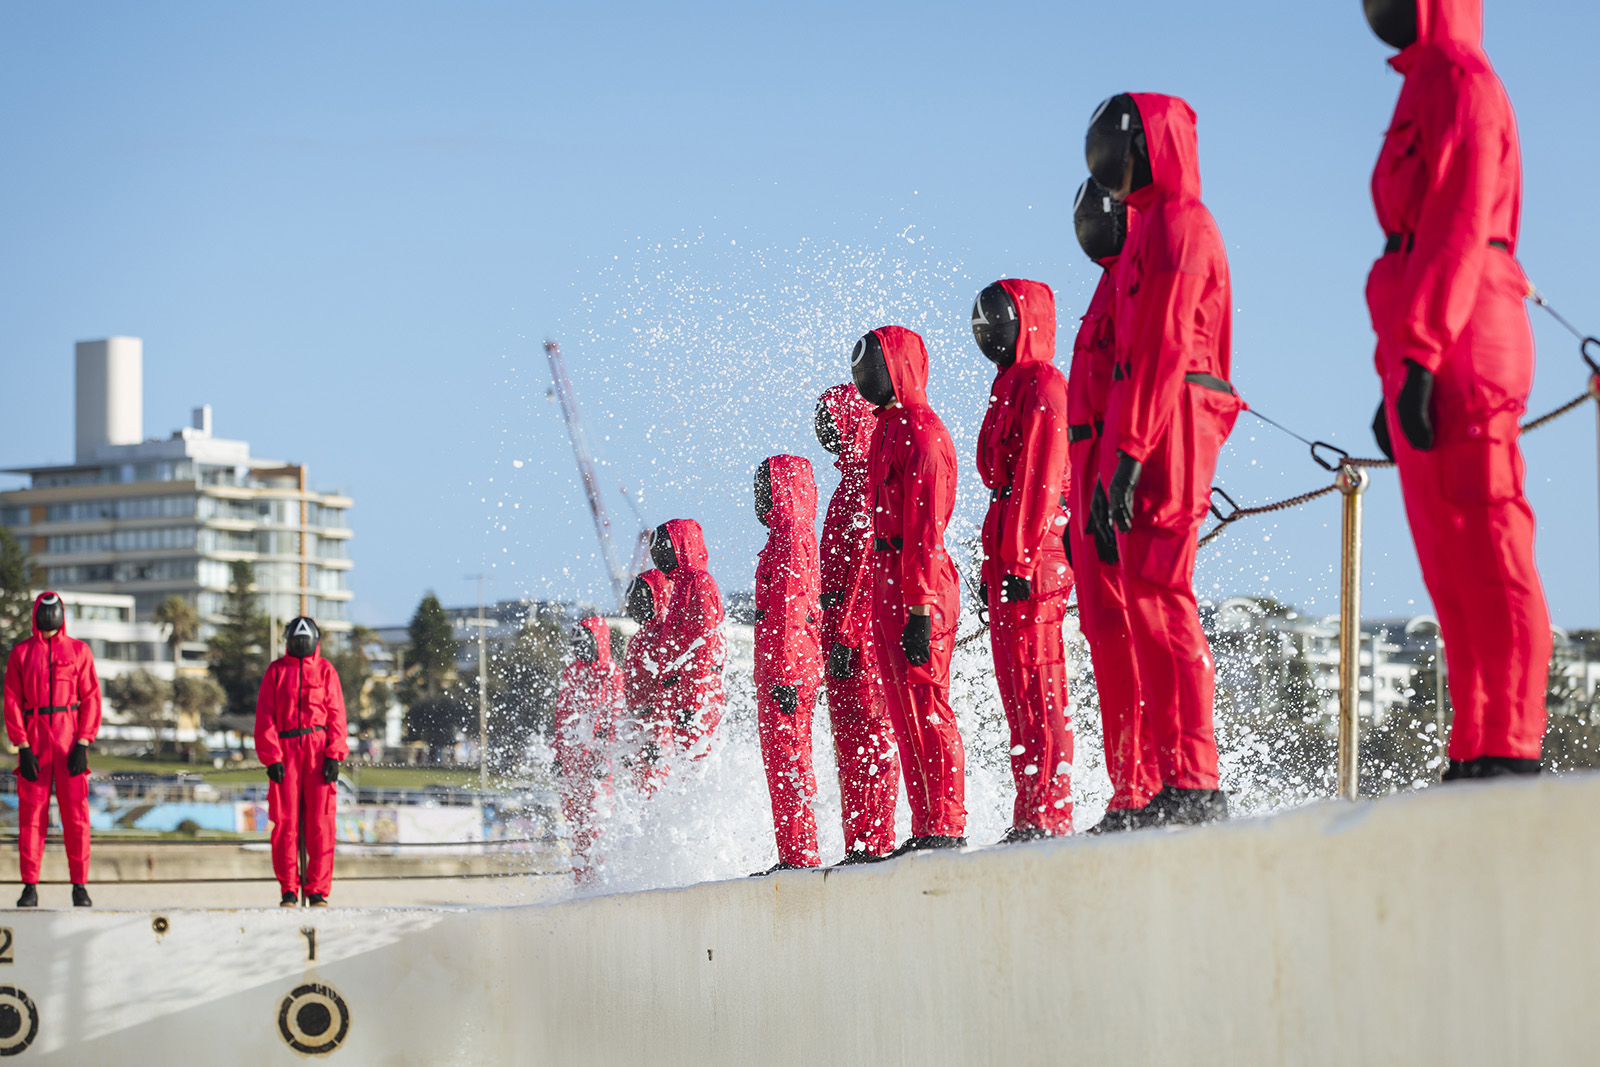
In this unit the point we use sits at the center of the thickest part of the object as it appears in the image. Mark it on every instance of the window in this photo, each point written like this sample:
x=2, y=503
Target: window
x=327, y=610
x=17, y=516
x=213, y=573
x=226, y=541
x=123, y=540
x=98, y=612
x=146, y=507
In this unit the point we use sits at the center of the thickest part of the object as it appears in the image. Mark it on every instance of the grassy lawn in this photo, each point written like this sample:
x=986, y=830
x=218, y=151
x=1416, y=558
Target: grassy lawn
x=251, y=772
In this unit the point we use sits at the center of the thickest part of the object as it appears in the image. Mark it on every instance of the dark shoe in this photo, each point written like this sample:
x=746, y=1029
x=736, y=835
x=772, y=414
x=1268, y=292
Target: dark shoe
x=289, y=900
x=933, y=841
x=1505, y=767
x=29, y=897
x=910, y=845
x=1119, y=821
x=316, y=900
x=1459, y=771
x=80, y=897
x=860, y=856
x=1018, y=835
x=776, y=867
x=1186, y=807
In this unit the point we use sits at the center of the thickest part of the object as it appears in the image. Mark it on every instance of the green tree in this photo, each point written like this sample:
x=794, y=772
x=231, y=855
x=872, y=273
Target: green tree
x=524, y=679
x=349, y=658
x=16, y=599
x=200, y=697
x=435, y=711
x=143, y=698
x=238, y=650
x=181, y=620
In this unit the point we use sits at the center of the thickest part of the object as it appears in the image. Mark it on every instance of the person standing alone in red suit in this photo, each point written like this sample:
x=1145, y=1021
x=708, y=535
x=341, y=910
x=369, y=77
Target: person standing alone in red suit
x=301, y=739
x=1455, y=357
x=52, y=709
x=916, y=595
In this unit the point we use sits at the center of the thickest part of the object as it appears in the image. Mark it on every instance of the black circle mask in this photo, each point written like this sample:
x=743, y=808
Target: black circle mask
x=1394, y=21
x=50, y=614
x=828, y=435
x=641, y=602
x=764, y=490
x=662, y=554
x=870, y=372
x=1115, y=131
x=1100, y=221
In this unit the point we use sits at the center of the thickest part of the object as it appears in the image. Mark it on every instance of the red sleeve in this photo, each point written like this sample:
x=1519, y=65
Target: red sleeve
x=16, y=730
x=1462, y=145
x=930, y=491
x=337, y=722
x=788, y=600
x=268, y=750
x=1163, y=339
x=1036, y=503
x=88, y=697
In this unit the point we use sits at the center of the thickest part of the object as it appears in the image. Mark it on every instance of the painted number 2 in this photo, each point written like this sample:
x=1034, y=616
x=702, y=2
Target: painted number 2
x=5, y=945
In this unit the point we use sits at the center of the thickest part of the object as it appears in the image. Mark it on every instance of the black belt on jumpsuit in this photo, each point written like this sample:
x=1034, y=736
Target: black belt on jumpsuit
x=300, y=732
x=1405, y=242
x=49, y=711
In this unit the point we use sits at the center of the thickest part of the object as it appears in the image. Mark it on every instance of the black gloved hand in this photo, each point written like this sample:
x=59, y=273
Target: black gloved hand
x=1413, y=408
x=330, y=770
x=840, y=658
x=915, y=637
x=28, y=764
x=275, y=772
x=1066, y=545
x=1013, y=589
x=787, y=698
x=78, y=759
x=1119, y=498
x=669, y=681
x=1105, y=541
x=831, y=599
x=1380, y=433
x=983, y=594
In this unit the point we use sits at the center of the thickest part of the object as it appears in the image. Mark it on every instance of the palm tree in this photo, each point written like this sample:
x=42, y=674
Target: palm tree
x=180, y=619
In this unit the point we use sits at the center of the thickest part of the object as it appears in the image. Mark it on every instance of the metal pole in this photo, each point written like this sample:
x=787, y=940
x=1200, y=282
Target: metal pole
x=483, y=700
x=1594, y=391
x=1352, y=482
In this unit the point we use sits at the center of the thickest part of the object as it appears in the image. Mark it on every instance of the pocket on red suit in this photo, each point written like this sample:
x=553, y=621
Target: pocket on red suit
x=1161, y=557
x=1479, y=468
x=274, y=802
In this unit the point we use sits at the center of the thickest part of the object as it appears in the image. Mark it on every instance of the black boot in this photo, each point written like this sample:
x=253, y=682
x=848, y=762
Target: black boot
x=776, y=867
x=1505, y=767
x=289, y=900
x=935, y=841
x=80, y=897
x=1019, y=835
x=860, y=855
x=1186, y=807
x=29, y=897
x=910, y=845
x=1459, y=771
x=316, y=900
x=1118, y=821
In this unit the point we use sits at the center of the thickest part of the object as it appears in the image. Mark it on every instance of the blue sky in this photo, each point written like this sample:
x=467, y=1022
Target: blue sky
x=349, y=227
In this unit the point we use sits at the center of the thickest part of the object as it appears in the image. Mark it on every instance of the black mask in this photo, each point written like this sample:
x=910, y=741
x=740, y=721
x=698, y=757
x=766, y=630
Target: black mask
x=871, y=372
x=662, y=553
x=50, y=614
x=300, y=637
x=995, y=325
x=1100, y=221
x=641, y=602
x=1116, y=130
x=1394, y=21
x=828, y=435
x=584, y=645
x=764, y=490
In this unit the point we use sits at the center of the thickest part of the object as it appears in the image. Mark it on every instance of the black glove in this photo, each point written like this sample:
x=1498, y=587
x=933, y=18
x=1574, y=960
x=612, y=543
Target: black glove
x=275, y=772
x=1380, y=433
x=330, y=770
x=840, y=657
x=669, y=681
x=831, y=599
x=28, y=764
x=1013, y=588
x=787, y=698
x=1066, y=545
x=914, y=639
x=1414, y=407
x=1119, y=498
x=1105, y=541
x=652, y=753
x=78, y=760
x=983, y=594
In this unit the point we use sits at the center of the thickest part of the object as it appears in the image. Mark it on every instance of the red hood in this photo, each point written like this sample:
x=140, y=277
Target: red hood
x=602, y=638
x=852, y=416
x=907, y=359
x=35, y=612
x=794, y=492
x=1036, y=313
x=1169, y=132
x=1450, y=26
x=660, y=592
x=688, y=543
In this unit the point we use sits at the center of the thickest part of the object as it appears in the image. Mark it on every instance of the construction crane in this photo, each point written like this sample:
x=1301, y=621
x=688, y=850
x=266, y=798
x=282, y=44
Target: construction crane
x=591, y=482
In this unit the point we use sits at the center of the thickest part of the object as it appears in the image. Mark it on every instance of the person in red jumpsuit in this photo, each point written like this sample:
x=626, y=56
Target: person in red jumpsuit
x=1455, y=356
x=691, y=634
x=1101, y=223
x=1022, y=458
x=649, y=728
x=588, y=704
x=300, y=738
x=1167, y=417
x=788, y=654
x=52, y=709
x=916, y=595
x=863, y=737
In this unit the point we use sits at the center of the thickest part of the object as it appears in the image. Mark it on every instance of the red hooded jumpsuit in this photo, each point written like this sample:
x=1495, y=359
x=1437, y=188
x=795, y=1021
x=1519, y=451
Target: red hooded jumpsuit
x=1172, y=410
x=52, y=701
x=1449, y=297
x=863, y=737
x=588, y=705
x=300, y=720
x=1102, y=609
x=788, y=586
x=913, y=479
x=650, y=720
x=1022, y=457
x=692, y=639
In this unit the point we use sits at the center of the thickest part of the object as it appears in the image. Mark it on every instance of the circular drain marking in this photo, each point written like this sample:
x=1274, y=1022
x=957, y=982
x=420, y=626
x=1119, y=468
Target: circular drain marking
x=313, y=1019
x=19, y=1021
